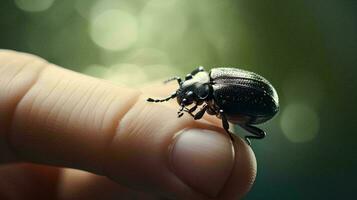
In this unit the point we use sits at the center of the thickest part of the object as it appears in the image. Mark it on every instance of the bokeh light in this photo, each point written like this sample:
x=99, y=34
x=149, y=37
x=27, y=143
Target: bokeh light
x=34, y=5
x=84, y=7
x=100, y=6
x=299, y=122
x=172, y=22
x=114, y=30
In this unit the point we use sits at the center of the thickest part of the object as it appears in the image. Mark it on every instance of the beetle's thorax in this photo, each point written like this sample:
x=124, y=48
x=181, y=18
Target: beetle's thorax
x=195, y=82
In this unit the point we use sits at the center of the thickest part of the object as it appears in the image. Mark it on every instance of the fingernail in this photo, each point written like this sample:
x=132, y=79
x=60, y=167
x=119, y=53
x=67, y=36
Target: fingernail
x=203, y=159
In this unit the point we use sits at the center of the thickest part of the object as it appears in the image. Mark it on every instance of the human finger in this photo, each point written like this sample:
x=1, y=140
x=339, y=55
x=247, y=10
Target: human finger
x=55, y=116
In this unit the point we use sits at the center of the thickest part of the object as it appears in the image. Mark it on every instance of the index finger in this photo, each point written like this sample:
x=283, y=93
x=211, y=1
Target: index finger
x=58, y=117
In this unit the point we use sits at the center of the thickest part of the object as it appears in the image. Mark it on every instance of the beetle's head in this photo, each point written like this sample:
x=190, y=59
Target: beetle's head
x=192, y=92
x=185, y=97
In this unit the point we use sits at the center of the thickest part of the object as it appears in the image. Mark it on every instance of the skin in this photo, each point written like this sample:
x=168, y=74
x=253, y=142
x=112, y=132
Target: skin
x=64, y=135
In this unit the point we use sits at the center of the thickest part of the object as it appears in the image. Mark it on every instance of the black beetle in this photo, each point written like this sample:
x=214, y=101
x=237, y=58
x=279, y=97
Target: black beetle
x=233, y=95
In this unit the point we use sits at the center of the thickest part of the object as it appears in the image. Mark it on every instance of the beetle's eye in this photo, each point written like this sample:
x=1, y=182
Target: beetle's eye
x=184, y=101
x=188, y=99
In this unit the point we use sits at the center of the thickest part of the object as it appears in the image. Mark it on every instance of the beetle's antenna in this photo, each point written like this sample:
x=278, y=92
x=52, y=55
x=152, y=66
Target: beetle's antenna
x=179, y=81
x=173, y=95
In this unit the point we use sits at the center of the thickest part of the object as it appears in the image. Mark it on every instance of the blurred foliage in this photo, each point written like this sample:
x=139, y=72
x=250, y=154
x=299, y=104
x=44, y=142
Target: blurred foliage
x=307, y=49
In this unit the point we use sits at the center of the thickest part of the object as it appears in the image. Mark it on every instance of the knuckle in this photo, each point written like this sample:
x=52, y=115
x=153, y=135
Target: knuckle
x=66, y=108
x=18, y=73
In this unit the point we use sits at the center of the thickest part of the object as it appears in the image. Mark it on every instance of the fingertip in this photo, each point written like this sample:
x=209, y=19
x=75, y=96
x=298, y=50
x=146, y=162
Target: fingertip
x=203, y=159
x=178, y=157
x=214, y=165
x=243, y=173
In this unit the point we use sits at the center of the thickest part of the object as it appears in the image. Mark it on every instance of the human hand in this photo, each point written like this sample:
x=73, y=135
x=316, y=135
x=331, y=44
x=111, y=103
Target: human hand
x=64, y=135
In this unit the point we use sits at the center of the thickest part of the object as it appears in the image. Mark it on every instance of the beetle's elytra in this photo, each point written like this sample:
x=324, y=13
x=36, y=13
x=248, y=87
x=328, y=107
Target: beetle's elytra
x=233, y=95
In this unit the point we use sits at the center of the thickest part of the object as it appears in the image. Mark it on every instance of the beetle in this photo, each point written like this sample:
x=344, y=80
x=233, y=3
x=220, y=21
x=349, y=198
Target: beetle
x=234, y=95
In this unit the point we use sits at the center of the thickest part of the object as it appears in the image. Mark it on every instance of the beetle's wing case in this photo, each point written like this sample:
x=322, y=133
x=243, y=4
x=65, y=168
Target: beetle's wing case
x=246, y=97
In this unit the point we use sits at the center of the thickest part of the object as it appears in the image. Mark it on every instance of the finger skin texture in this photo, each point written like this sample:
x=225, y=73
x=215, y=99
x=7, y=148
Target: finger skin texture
x=17, y=74
x=53, y=116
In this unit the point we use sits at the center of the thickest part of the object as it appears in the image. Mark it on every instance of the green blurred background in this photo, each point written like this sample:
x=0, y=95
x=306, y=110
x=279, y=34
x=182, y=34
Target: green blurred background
x=306, y=48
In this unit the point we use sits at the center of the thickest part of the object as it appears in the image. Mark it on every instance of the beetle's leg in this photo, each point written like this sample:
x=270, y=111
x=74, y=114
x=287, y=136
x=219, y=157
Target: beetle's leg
x=173, y=95
x=200, y=113
x=180, y=113
x=191, y=109
x=257, y=133
x=198, y=69
x=225, y=124
x=179, y=81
